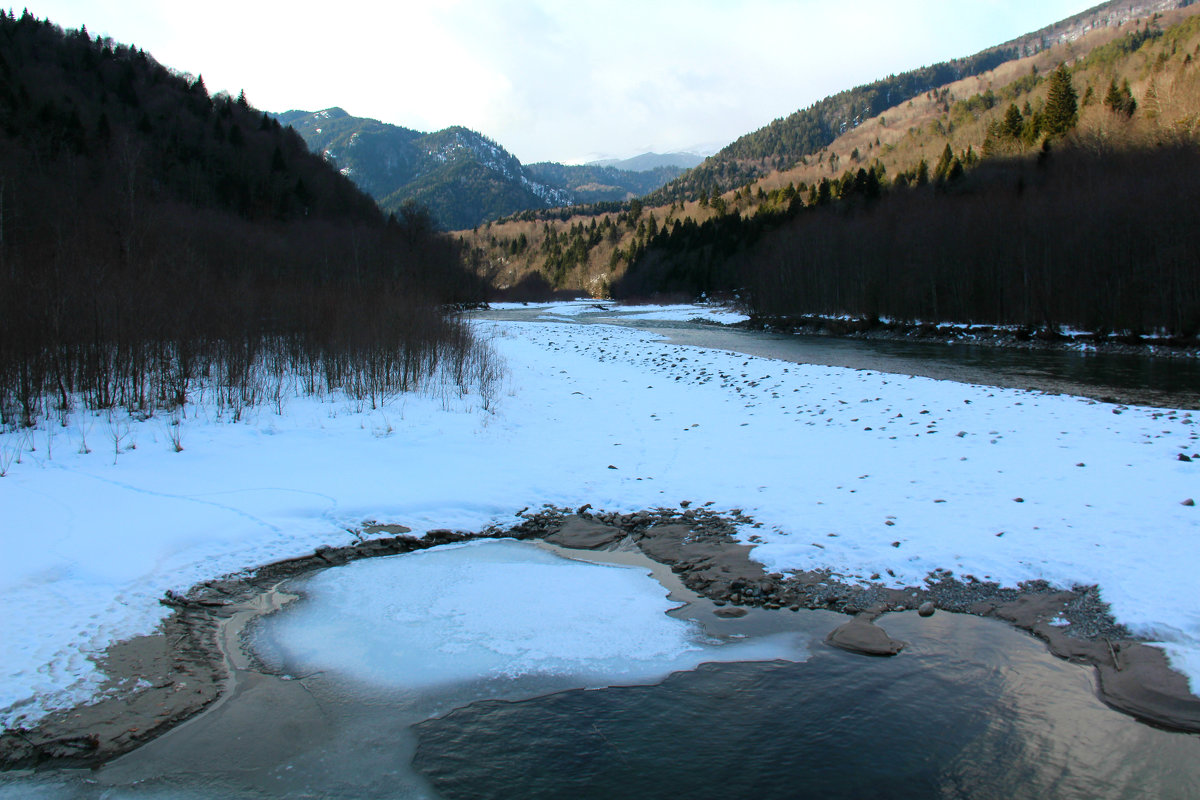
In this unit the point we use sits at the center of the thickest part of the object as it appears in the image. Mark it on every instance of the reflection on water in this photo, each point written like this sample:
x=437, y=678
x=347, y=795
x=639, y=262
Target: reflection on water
x=971, y=709
x=1165, y=382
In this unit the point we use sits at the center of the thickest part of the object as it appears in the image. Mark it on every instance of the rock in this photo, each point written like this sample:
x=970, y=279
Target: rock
x=1188, y=502
x=926, y=609
x=730, y=612
x=1183, y=457
x=585, y=534
x=862, y=635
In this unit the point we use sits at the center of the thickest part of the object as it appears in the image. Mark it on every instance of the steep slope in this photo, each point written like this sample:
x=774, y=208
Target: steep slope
x=789, y=140
x=1059, y=199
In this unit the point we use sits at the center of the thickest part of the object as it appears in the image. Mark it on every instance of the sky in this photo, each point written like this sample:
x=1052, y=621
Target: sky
x=552, y=80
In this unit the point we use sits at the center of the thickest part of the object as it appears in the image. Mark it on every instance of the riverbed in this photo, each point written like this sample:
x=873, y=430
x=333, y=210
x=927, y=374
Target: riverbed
x=875, y=476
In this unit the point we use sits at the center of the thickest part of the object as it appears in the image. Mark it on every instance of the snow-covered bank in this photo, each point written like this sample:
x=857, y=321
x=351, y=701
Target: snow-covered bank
x=862, y=472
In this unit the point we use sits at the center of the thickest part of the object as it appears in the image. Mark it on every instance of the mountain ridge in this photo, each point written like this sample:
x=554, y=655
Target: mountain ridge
x=650, y=161
x=461, y=176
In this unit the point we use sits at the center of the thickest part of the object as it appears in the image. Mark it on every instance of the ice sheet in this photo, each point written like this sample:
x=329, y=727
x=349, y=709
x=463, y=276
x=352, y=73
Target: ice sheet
x=494, y=610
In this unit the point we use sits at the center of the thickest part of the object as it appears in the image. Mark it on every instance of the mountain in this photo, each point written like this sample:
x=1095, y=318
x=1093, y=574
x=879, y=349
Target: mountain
x=591, y=183
x=462, y=177
x=1020, y=199
x=650, y=161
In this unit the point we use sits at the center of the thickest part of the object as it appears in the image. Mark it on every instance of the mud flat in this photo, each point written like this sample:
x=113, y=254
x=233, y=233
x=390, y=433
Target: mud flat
x=156, y=682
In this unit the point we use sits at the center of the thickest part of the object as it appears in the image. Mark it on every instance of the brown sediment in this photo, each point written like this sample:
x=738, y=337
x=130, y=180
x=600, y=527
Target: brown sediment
x=161, y=680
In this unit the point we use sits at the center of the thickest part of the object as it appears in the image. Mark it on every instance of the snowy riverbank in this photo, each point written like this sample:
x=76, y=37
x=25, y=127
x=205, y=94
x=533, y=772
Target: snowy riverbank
x=861, y=472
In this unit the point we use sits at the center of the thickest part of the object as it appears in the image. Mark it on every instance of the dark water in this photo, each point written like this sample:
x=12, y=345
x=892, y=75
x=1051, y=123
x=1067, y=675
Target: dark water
x=972, y=709
x=1112, y=377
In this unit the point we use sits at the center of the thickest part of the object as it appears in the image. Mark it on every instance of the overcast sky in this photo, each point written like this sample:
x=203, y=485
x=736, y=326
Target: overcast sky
x=558, y=80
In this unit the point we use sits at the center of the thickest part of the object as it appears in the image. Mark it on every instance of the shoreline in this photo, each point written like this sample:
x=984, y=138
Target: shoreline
x=160, y=681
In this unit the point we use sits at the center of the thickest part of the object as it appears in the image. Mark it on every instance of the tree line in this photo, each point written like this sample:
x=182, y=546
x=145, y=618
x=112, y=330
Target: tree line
x=1082, y=235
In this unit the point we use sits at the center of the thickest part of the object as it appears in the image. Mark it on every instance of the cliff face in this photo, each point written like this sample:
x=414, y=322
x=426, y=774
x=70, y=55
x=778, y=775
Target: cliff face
x=1105, y=15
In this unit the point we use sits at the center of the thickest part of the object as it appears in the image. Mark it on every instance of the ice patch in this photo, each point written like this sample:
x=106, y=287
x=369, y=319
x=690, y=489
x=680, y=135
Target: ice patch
x=494, y=610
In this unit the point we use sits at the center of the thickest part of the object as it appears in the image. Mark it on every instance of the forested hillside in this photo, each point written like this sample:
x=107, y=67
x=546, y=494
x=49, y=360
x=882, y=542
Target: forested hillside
x=790, y=140
x=155, y=239
x=910, y=214
x=1073, y=207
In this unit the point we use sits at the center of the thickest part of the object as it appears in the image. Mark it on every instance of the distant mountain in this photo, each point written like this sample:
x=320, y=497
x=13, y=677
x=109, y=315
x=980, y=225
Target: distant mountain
x=461, y=176
x=591, y=183
x=651, y=161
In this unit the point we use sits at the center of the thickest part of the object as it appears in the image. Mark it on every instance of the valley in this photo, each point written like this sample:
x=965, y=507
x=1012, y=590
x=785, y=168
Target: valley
x=343, y=459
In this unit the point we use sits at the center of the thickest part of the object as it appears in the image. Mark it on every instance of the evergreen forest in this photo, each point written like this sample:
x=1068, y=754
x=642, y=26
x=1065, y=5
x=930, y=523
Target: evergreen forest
x=160, y=245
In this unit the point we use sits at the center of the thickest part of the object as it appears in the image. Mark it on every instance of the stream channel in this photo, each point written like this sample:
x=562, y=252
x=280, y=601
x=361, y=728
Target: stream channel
x=713, y=707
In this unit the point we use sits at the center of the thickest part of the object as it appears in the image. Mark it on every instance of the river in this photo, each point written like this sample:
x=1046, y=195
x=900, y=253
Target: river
x=1111, y=377
x=971, y=708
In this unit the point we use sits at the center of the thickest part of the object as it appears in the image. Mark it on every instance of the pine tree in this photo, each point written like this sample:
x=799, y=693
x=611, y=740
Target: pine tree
x=1013, y=122
x=1120, y=101
x=943, y=165
x=1062, y=107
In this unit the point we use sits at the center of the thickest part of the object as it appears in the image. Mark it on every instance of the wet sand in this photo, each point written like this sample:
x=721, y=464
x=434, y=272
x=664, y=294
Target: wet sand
x=157, y=682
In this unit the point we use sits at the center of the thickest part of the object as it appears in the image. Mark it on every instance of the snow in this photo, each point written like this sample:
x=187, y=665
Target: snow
x=684, y=313
x=673, y=313
x=494, y=610
x=1000, y=484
